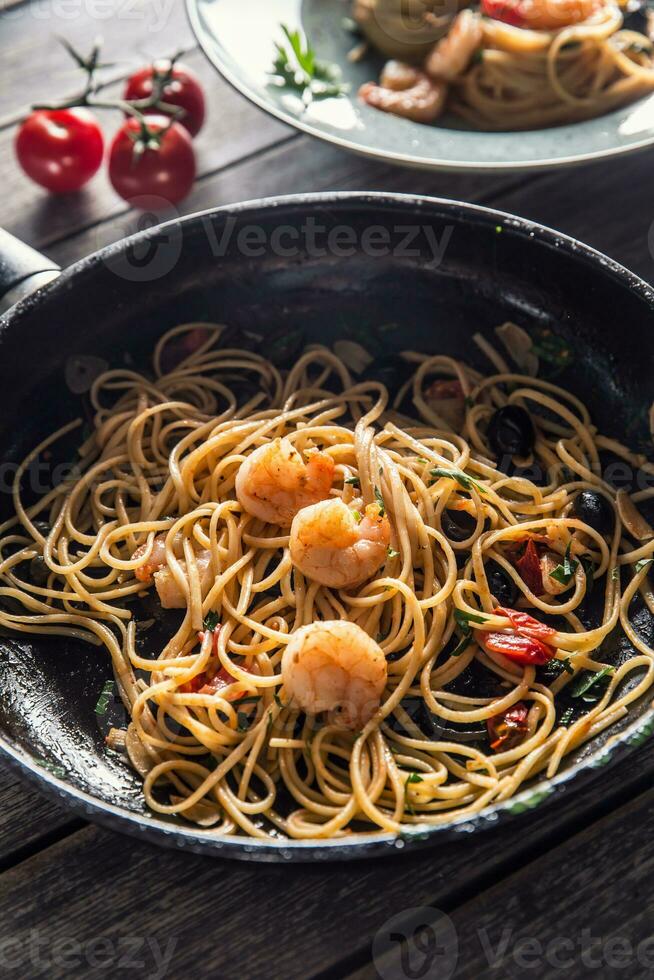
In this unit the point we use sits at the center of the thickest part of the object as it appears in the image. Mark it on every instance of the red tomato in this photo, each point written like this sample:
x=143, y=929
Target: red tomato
x=166, y=170
x=509, y=11
x=508, y=728
x=525, y=624
x=60, y=149
x=521, y=649
x=183, y=90
x=529, y=568
x=450, y=388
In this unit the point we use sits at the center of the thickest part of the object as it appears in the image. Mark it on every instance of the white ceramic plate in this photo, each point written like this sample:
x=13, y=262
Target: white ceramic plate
x=238, y=38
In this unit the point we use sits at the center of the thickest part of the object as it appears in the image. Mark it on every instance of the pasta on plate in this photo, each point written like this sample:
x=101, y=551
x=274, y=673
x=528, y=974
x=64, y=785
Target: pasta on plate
x=513, y=64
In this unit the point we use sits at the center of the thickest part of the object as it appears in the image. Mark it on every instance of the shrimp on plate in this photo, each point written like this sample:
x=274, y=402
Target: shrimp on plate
x=541, y=15
x=275, y=482
x=333, y=544
x=451, y=55
x=336, y=667
x=406, y=91
x=155, y=568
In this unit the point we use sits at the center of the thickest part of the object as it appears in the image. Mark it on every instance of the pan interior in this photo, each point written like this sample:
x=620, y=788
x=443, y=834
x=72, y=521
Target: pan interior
x=461, y=271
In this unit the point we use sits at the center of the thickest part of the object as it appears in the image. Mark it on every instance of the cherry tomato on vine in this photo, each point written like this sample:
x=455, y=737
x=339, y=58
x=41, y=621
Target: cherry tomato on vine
x=182, y=88
x=157, y=160
x=60, y=149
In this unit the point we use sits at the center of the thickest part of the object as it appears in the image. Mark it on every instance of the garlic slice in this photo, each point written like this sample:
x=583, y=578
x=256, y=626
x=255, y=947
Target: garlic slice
x=632, y=519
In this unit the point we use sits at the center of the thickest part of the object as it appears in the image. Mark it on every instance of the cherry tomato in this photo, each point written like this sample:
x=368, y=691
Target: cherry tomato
x=530, y=570
x=164, y=168
x=521, y=649
x=183, y=90
x=525, y=624
x=60, y=149
x=509, y=11
x=509, y=727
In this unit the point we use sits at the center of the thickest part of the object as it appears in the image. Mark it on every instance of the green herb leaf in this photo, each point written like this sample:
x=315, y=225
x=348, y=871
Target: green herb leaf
x=413, y=777
x=243, y=721
x=278, y=700
x=589, y=570
x=211, y=620
x=643, y=563
x=463, y=644
x=300, y=69
x=587, y=680
x=357, y=515
x=565, y=572
x=567, y=717
x=392, y=553
x=465, y=618
x=353, y=481
x=248, y=699
x=380, y=501
x=467, y=482
x=105, y=698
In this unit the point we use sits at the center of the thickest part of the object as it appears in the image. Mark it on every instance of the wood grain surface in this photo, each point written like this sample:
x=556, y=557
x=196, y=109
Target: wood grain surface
x=567, y=889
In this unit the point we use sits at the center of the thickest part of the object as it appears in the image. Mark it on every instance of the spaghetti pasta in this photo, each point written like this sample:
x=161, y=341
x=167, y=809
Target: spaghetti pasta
x=529, y=64
x=461, y=707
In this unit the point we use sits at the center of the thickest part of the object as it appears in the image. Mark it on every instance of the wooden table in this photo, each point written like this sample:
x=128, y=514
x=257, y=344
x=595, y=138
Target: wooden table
x=566, y=888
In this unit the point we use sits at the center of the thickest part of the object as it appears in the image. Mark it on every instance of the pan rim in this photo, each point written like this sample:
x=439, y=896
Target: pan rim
x=152, y=828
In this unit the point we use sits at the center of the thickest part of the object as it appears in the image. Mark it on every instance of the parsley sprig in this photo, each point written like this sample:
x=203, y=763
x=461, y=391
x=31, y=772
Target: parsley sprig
x=297, y=67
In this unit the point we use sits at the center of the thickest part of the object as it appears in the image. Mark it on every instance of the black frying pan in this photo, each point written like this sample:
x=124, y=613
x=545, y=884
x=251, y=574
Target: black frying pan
x=436, y=270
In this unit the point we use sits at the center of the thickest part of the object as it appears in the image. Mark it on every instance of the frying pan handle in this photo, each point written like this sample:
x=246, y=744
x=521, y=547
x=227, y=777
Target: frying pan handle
x=22, y=270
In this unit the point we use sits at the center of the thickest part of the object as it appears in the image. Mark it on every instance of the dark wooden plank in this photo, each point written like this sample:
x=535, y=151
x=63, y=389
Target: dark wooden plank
x=608, y=205
x=27, y=819
x=34, y=66
x=235, y=919
x=234, y=129
x=584, y=908
x=300, y=164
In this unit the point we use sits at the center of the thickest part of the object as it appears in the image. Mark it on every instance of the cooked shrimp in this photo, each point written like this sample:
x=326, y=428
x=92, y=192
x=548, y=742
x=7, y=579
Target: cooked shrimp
x=171, y=596
x=405, y=91
x=541, y=15
x=451, y=55
x=335, y=666
x=155, y=568
x=333, y=545
x=274, y=483
x=157, y=557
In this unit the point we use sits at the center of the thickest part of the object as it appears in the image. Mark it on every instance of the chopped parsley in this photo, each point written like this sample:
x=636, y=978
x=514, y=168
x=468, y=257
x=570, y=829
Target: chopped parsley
x=353, y=481
x=643, y=563
x=413, y=777
x=565, y=572
x=392, y=553
x=105, y=698
x=211, y=620
x=588, y=680
x=380, y=501
x=461, y=478
x=589, y=569
x=465, y=618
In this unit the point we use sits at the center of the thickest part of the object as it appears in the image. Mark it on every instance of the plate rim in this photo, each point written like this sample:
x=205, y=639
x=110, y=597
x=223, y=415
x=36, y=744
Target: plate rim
x=153, y=829
x=400, y=159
